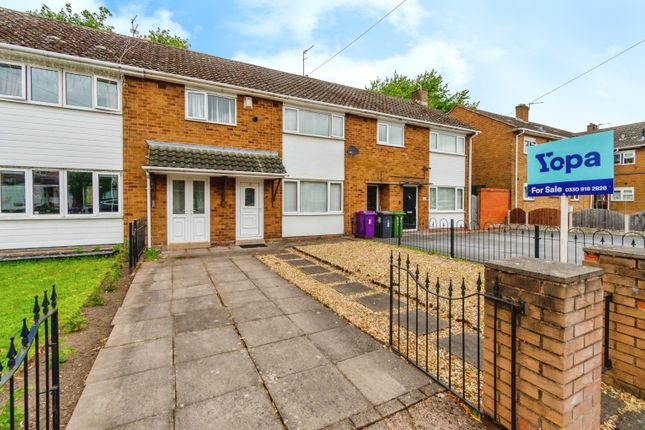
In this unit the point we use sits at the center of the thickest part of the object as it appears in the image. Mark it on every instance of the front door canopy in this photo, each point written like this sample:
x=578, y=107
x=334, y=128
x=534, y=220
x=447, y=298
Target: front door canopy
x=164, y=157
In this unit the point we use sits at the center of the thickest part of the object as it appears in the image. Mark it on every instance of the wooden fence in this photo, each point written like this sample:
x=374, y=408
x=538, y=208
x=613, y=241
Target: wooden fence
x=598, y=218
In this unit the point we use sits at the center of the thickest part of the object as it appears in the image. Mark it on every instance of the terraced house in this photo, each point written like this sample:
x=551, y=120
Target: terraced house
x=100, y=129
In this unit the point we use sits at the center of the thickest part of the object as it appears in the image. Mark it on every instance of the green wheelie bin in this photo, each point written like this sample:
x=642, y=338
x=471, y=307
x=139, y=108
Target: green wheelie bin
x=397, y=225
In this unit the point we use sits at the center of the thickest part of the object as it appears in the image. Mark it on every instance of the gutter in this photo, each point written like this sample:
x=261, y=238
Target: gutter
x=515, y=178
x=169, y=77
x=539, y=133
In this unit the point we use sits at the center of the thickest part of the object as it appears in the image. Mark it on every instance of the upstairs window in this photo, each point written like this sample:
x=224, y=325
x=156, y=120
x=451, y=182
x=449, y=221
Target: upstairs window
x=45, y=85
x=625, y=157
x=12, y=81
x=210, y=107
x=624, y=194
x=442, y=142
x=313, y=123
x=529, y=141
x=390, y=134
x=107, y=94
x=78, y=90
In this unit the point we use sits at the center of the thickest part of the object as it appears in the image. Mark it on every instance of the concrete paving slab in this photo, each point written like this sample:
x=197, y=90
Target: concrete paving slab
x=162, y=276
x=316, y=398
x=301, y=262
x=132, y=358
x=262, y=273
x=382, y=376
x=158, y=422
x=228, y=276
x=288, y=256
x=279, y=359
x=213, y=376
x=236, y=298
x=192, y=304
x=225, y=287
x=283, y=292
x=150, y=286
x=201, y=320
x=123, y=334
x=249, y=408
x=316, y=320
x=470, y=344
x=260, y=332
x=141, y=313
x=254, y=311
x=108, y=404
x=345, y=342
x=190, y=281
x=330, y=278
x=292, y=305
x=313, y=270
x=198, y=252
x=411, y=322
x=204, y=343
x=352, y=288
x=271, y=282
x=136, y=298
x=379, y=302
x=195, y=291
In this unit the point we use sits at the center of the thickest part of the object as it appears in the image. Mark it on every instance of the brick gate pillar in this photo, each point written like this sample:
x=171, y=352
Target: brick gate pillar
x=558, y=344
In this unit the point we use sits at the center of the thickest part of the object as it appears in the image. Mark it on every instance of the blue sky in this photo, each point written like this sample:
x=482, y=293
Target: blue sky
x=504, y=52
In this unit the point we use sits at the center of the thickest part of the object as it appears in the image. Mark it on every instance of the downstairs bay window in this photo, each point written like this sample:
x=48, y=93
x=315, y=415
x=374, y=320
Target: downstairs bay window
x=12, y=192
x=312, y=197
x=449, y=199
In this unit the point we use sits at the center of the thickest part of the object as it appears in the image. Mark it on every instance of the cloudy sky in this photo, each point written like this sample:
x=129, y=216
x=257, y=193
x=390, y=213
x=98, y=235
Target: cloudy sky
x=504, y=52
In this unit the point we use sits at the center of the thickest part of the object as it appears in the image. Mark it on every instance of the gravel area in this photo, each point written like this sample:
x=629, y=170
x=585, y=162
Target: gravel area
x=630, y=406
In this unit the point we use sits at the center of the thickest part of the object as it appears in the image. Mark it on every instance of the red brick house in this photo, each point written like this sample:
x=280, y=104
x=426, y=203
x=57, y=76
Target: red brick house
x=208, y=150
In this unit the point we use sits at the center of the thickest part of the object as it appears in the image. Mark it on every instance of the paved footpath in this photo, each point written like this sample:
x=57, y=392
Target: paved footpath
x=217, y=342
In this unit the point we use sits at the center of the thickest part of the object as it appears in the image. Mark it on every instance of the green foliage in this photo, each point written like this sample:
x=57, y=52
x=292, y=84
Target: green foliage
x=64, y=353
x=85, y=17
x=151, y=254
x=95, y=299
x=75, y=322
x=96, y=249
x=439, y=95
x=166, y=38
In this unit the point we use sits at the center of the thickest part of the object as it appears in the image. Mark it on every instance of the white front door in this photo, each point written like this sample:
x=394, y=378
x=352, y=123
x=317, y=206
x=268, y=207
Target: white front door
x=249, y=209
x=188, y=210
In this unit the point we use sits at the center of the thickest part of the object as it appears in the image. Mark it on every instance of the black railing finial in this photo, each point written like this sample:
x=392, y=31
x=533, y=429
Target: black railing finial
x=11, y=355
x=463, y=287
x=496, y=287
x=407, y=262
x=450, y=288
x=437, y=286
x=416, y=273
x=479, y=282
x=24, y=333
x=45, y=303
x=54, y=296
x=36, y=309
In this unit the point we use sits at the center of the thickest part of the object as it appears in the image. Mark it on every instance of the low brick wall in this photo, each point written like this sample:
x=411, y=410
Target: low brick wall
x=558, y=344
x=624, y=278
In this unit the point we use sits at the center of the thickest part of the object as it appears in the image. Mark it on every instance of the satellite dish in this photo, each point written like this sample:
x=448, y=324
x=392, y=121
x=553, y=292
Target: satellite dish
x=352, y=150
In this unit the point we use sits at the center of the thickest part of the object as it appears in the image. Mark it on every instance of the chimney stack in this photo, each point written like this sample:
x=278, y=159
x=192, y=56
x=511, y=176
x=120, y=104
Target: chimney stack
x=592, y=127
x=420, y=96
x=522, y=112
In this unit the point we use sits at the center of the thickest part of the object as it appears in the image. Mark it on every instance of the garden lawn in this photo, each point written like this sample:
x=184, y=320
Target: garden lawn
x=75, y=279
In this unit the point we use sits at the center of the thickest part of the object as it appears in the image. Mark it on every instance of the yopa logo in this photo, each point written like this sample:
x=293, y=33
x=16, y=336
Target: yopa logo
x=569, y=162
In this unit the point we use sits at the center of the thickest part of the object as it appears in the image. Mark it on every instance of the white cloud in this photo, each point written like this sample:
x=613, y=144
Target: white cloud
x=26, y=5
x=299, y=19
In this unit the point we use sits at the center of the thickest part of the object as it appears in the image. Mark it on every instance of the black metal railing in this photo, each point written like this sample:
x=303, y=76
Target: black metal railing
x=606, y=361
x=499, y=241
x=27, y=362
x=136, y=240
x=436, y=328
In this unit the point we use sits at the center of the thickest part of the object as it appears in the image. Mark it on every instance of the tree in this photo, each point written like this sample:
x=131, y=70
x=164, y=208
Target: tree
x=166, y=38
x=439, y=95
x=85, y=18
x=98, y=20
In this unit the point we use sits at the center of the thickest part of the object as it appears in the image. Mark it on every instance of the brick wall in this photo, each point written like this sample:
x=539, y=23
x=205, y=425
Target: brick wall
x=624, y=278
x=558, y=344
x=386, y=165
x=154, y=110
x=493, y=206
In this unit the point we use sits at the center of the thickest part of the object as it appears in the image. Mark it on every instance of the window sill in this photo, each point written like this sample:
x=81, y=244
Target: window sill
x=312, y=213
x=205, y=121
x=436, y=151
x=58, y=217
x=390, y=145
x=295, y=133
x=22, y=100
x=446, y=211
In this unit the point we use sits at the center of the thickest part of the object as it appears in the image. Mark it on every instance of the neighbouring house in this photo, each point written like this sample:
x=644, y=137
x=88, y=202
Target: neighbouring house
x=499, y=154
x=105, y=129
x=629, y=168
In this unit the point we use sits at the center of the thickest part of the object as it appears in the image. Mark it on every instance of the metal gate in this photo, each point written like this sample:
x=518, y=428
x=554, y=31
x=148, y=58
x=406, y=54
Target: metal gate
x=439, y=330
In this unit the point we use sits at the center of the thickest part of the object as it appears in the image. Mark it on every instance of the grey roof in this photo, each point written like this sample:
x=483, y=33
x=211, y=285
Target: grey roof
x=626, y=136
x=519, y=123
x=28, y=30
x=213, y=158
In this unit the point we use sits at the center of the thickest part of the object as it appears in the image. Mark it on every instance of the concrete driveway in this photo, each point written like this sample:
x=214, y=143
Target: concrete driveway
x=218, y=342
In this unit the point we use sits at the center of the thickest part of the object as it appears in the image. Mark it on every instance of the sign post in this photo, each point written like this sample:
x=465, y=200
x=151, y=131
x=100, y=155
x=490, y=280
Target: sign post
x=582, y=165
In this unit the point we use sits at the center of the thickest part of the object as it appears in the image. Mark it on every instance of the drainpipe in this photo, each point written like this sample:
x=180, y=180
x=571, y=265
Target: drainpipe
x=148, y=209
x=470, y=177
x=517, y=139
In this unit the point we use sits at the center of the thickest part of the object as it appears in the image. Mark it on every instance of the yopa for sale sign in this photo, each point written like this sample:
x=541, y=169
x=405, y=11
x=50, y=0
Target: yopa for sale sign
x=577, y=166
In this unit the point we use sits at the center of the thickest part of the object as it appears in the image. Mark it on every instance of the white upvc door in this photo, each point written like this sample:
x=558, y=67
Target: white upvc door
x=188, y=210
x=250, y=210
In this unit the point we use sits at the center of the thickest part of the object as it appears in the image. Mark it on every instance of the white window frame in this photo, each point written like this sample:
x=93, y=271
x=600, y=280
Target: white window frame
x=622, y=154
x=96, y=93
x=94, y=193
x=622, y=194
x=23, y=83
x=387, y=133
x=232, y=97
x=525, y=193
x=456, y=135
x=575, y=198
x=329, y=211
x=435, y=189
x=27, y=173
x=529, y=141
x=60, y=86
x=331, y=115
x=93, y=86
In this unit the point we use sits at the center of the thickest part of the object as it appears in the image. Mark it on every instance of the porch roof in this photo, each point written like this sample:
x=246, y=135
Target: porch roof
x=166, y=156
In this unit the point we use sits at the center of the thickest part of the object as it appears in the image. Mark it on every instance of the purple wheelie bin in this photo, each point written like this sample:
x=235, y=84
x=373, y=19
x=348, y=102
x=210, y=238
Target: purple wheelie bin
x=365, y=222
